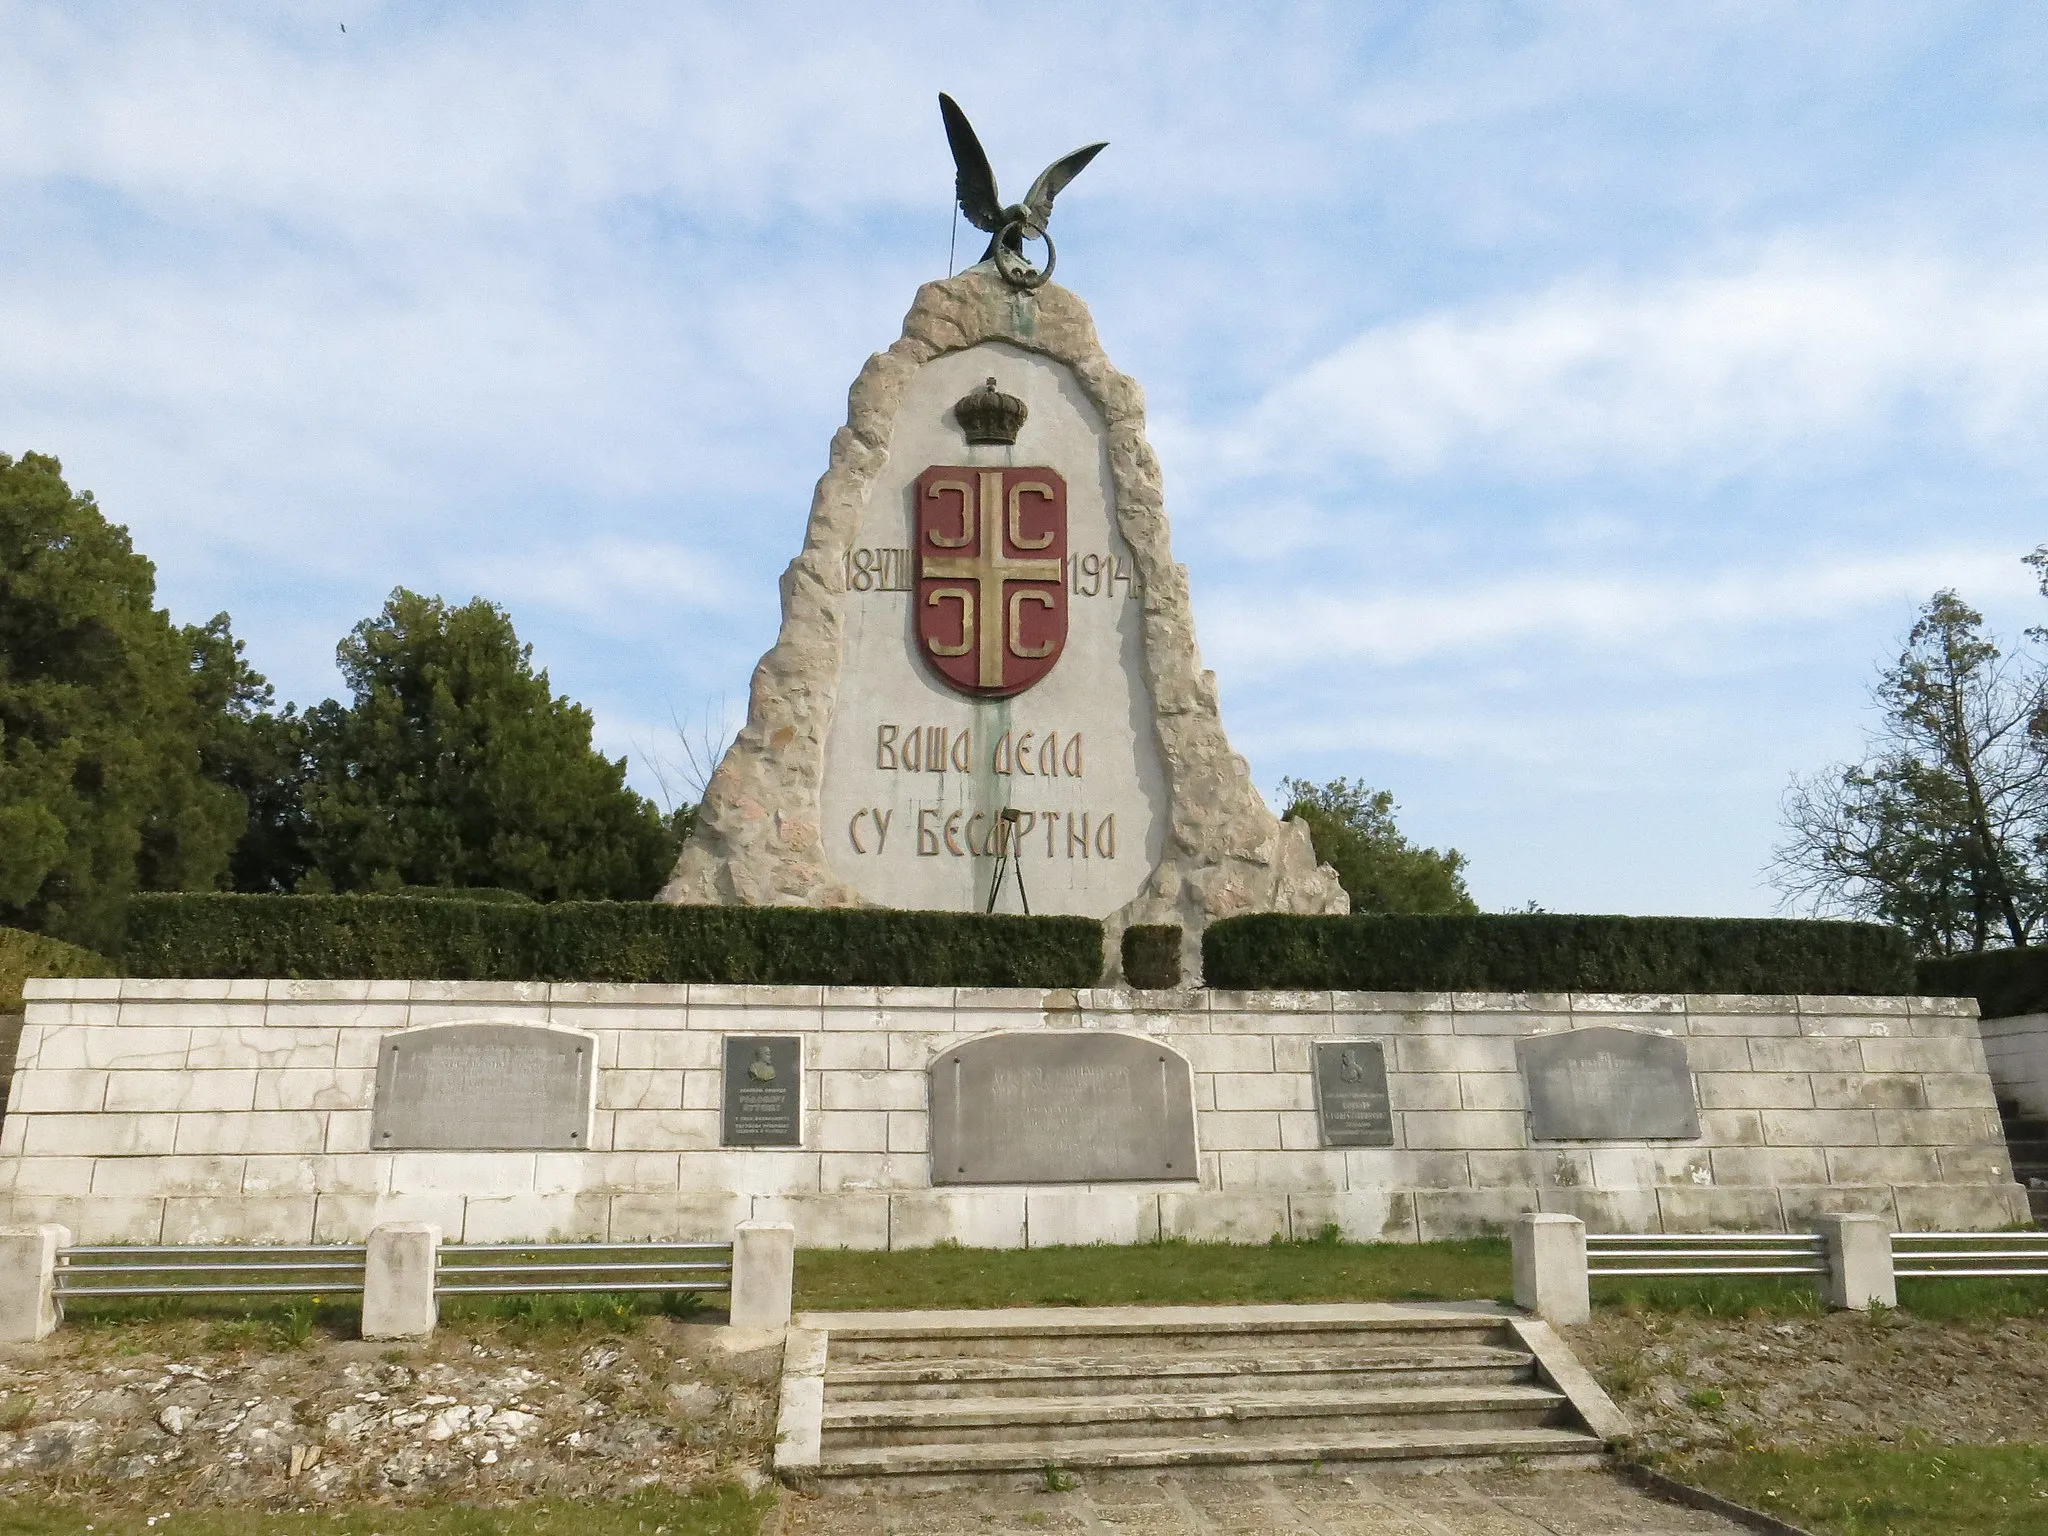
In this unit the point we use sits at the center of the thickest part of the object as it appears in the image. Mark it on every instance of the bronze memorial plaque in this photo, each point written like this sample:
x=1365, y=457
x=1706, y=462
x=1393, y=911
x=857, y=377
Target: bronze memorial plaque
x=1608, y=1084
x=483, y=1088
x=1061, y=1108
x=764, y=1091
x=1351, y=1094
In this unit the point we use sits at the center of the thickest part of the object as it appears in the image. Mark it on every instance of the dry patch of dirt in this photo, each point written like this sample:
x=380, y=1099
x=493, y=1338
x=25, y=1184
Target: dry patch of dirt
x=170, y=1414
x=1697, y=1386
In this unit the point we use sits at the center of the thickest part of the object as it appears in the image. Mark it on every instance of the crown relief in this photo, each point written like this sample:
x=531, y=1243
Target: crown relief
x=987, y=415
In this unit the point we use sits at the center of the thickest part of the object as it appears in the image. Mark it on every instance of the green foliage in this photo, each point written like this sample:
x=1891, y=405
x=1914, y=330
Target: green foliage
x=1881, y=1490
x=1943, y=830
x=461, y=893
x=1554, y=952
x=1151, y=1274
x=453, y=764
x=1974, y=1300
x=1354, y=833
x=1151, y=954
x=2004, y=981
x=23, y=955
x=332, y=937
x=109, y=718
x=1713, y=1295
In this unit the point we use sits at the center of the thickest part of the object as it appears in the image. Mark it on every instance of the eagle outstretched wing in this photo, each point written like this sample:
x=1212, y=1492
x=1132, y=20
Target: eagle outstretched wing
x=1053, y=179
x=973, y=182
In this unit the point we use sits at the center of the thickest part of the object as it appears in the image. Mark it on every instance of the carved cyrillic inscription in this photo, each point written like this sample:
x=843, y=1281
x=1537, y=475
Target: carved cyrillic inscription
x=1061, y=1108
x=1351, y=1094
x=764, y=1091
x=483, y=1088
x=1608, y=1084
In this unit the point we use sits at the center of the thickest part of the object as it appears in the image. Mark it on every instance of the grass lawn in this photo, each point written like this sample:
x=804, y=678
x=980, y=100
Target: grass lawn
x=1984, y=1490
x=723, y=1511
x=1157, y=1274
x=1165, y=1273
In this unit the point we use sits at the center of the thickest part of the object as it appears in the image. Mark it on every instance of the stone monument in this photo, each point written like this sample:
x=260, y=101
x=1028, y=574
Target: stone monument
x=987, y=652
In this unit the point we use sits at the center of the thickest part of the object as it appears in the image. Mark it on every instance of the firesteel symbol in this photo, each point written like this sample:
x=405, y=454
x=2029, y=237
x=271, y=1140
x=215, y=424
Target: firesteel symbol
x=991, y=593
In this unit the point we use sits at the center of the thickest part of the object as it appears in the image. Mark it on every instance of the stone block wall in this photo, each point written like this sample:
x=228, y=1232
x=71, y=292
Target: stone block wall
x=2016, y=1051
x=189, y=1111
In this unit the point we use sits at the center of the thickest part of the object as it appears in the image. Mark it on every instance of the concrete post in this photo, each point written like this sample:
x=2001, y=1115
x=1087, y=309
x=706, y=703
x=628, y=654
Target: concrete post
x=1859, y=1262
x=28, y=1282
x=1550, y=1268
x=398, y=1281
x=763, y=1274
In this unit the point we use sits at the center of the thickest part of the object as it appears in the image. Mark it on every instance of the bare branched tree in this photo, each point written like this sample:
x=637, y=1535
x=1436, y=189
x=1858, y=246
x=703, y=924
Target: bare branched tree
x=682, y=769
x=1944, y=829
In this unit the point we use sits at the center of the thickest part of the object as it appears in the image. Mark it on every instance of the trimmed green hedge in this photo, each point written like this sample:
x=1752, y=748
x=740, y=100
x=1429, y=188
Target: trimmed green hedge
x=1151, y=954
x=2004, y=981
x=23, y=955
x=354, y=937
x=462, y=893
x=1550, y=952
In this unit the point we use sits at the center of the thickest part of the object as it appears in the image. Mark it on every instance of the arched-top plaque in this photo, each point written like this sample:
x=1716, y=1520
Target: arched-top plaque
x=484, y=1088
x=1070, y=1107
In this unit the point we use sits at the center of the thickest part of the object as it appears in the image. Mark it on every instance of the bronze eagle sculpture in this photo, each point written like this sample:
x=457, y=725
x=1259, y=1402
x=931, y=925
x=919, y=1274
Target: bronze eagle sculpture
x=975, y=186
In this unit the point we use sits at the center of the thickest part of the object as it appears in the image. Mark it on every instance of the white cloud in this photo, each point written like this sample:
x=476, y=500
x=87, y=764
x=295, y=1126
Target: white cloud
x=606, y=582
x=1801, y=354
x=1620, y=614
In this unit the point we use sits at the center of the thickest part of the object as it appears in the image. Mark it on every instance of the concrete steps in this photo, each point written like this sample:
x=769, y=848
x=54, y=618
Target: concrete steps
x=1307, y=1369
x=1562, y=1447
x=937, y=1394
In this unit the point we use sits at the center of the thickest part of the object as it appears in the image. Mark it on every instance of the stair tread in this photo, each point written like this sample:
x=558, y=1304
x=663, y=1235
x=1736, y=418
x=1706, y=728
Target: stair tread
x=1172, y=1406
x=1155, y=1451
x=1391, y=1358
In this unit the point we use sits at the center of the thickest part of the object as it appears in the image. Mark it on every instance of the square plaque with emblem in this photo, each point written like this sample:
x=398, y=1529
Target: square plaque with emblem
x=764, y=1091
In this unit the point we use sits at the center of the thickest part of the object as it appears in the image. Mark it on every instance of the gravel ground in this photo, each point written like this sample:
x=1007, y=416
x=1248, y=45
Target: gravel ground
x=1698, y=1386
x=172, y=1414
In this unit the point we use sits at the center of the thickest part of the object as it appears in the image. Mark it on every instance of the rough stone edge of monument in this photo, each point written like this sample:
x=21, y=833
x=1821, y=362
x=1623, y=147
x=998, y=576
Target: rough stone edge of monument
x=759, y=836
x=1672, y=1491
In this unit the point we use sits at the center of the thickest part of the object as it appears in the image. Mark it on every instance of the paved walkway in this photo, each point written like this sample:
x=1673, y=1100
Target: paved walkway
x=1333, y=1502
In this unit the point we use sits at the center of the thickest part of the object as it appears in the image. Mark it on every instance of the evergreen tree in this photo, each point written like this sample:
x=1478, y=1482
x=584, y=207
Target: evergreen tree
x=1381, y=871
x=454, y=764
x=106, y=710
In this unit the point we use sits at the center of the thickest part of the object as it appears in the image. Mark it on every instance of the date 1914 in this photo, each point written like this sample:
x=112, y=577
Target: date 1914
x=875, y=569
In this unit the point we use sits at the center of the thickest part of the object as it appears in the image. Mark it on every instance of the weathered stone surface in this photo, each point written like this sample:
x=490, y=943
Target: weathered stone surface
x=1607, y=1084
x=483, y=1087
x=1352, y=1107
x=1065, y=1108
x=759, y=838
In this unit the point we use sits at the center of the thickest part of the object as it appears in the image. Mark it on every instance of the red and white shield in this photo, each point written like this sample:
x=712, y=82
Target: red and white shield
x=991, y=561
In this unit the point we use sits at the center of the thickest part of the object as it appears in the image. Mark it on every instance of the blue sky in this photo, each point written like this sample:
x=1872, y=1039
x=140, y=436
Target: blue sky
x=1564, y=406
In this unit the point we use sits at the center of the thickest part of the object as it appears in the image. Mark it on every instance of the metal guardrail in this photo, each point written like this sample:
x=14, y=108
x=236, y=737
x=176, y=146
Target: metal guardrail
x=533, y=1269
x=336, y=1269
x=328, y=1269
x=1611, y=1254
x=1960, y=1255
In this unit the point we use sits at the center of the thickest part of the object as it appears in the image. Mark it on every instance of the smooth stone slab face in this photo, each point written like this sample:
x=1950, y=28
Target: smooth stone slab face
x=483, y=1088
x=916, y=773
x=1351, y=1094
x=764, y=1091
x=1063, y=1108
x=1608, y=1084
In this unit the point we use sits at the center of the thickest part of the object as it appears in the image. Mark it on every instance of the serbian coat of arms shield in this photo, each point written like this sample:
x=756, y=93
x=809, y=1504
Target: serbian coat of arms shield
x=991, y=564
